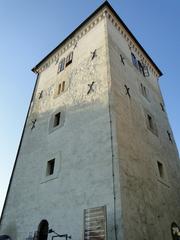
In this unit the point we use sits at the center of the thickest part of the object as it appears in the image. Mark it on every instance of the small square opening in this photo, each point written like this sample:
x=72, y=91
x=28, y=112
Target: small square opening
x=57, y=119
x=150, y=122
x=59, y=89
x=161, y=169
x=50, y=167
x=144, y=91
x=63, y=86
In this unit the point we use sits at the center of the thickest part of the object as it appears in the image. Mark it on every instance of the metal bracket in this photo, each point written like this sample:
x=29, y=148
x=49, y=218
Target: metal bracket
x=60, y=236
x=66, y=236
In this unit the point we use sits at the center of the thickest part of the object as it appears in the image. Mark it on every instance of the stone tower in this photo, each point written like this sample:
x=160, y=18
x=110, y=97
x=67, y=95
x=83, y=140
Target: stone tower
x=96, y=134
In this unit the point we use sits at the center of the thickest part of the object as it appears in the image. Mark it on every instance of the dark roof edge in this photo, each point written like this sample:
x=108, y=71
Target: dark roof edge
x=72, y=34
x=107, y=4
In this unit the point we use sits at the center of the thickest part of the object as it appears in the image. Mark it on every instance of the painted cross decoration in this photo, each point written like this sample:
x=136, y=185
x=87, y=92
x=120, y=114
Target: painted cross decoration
x=41, y=94
x=33, y=124
x=93, y=54
x=169, y=136
x=90, y=87
x=122, y=59
x=162, y=107
x=127, y=91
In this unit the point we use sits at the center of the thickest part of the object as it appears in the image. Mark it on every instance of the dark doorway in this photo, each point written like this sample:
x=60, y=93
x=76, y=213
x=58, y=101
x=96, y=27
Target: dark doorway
x=175, y=231
x=43, y=230
x=5, y=237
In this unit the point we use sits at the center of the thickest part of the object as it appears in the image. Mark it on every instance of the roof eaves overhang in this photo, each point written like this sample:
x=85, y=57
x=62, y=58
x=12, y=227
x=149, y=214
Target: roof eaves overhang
x=105, y=4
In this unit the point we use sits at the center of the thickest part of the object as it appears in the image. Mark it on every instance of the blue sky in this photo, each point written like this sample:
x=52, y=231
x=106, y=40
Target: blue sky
x=31, y=29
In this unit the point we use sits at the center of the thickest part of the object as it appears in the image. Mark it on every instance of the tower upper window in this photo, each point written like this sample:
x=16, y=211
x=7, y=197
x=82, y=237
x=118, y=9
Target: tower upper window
x=134, y=60
x=69, y=59
x=65, y=62
x=143, y=69
x=61, y=65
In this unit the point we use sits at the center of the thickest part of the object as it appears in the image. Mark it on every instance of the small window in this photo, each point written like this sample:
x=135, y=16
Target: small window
x=61, y=87
x=134, y=60
x=50, y=167
x=150, y=121
x=61, y=65
x=141, y=68
x=146, y=71
x=160, y=169
x=57, y=119
x=151, y=125
x=144, y=91
x=69, y=59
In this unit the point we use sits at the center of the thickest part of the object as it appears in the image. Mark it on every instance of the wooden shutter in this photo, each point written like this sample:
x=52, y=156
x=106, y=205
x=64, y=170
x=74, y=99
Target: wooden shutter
x=61, y=65
x=134, y=60
x=69, y=58
x=141, y=68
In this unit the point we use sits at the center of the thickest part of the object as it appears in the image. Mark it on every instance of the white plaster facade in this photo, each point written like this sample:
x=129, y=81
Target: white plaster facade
x=104, y=152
